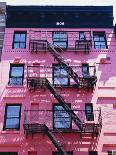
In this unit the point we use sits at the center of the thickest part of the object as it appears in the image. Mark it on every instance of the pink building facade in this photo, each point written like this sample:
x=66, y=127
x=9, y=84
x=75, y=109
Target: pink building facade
x=58, y=82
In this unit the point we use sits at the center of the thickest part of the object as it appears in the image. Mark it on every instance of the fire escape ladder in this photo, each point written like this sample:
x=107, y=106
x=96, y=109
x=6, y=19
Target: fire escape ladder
x=54, y=141
x=58, y=57
x=76, y=120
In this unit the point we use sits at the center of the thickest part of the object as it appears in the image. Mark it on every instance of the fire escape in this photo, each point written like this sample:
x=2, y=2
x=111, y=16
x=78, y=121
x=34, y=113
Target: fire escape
x=80, y=45
x=37, y=82
x=42, y=128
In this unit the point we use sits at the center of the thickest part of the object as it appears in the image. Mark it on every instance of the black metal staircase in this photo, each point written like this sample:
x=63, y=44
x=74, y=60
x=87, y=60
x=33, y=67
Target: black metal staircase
x=58, y=57
x=81, y=82
x=36, y=83
x=38, y=128
x=44, y=45
x=54, y=141
x=64, y=105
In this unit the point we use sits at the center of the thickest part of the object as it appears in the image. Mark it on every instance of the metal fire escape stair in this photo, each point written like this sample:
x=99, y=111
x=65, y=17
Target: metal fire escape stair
x=44, y=82
x=38, y=45
x=59, y=98
x=38, y=128
x=58, y=57
x=54, y=141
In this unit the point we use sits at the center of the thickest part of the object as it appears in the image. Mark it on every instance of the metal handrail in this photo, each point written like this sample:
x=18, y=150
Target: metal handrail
x=84, y=115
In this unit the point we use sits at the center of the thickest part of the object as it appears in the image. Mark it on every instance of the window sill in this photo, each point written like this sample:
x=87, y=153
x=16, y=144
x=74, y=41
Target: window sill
x=10, y=131
x=12, y=86
x=68, y=130
x=66, y=86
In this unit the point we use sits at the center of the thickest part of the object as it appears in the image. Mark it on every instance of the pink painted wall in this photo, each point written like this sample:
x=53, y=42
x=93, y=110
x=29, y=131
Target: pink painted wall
x=104, y=96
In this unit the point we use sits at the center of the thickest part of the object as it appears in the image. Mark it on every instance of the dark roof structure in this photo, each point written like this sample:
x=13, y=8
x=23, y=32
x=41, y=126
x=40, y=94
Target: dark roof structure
x=59, y=16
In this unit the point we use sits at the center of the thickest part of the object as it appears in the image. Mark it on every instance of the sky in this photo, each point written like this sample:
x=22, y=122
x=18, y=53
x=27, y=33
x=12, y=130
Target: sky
x=64, y=2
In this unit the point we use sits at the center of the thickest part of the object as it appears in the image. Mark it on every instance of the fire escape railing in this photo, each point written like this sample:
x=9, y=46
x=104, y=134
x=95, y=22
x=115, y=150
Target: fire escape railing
x=37, y=72
x=33, y=128
x=58, y=57
x=39, y=40
x=38, y=121
x=44, y=43
x=33, y=83
x=82, y=45
x=59, y=98
x=75, y=117
x=38, y=45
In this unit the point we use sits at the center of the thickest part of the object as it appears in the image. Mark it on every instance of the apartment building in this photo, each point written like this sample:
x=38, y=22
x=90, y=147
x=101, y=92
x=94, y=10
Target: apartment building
x=58, y=81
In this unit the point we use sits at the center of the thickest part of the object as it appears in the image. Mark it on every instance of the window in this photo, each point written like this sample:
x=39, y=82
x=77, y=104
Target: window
x=8, y=153
x=16, y=74
x=112, y=152
x=85, y=70
x=100, y=40
x=89, y=112
x=12, y=117
x=60, y=75
x=82, y=36
x=60, y=39
x=58, y=153
x=61, y=118
x=93, y=153
x=19, y=40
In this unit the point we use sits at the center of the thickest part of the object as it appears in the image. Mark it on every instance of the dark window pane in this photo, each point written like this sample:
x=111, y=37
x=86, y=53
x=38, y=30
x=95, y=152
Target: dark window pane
x=17, y=71
x=96, y=38
x=61, y=44
x=60, y=81
x=16, y=45
x=89, y=112
x=60, y=75
x=85, y=71
x=12, y=117
x=16, y=75
x=22, y=37
x=100, y=40
x=82, y=36
x=22, y=45
x=19, y=40
x=13, y=111
x=60, y=36
x=17, y=37
x=12, y=123
x=60, y=39
x=16, y=81
x=61, y=118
